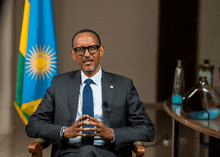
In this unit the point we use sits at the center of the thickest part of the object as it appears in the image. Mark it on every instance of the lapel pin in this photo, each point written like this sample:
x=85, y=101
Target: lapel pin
x=111, y=86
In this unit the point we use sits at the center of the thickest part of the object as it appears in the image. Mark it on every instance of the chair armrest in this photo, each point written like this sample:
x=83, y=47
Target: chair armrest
x=36, y=147
x=138, y=149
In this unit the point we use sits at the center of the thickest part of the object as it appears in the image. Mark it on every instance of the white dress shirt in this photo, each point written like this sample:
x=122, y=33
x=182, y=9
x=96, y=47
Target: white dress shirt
x=97, y=101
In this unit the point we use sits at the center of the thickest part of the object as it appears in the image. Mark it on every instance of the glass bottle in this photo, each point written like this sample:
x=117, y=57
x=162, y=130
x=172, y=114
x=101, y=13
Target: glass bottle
x=202, y=101
x=178, y=87
x=207, y=70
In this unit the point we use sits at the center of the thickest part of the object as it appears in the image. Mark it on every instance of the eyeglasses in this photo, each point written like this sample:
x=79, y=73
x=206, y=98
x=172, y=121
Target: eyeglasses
x=92, y=49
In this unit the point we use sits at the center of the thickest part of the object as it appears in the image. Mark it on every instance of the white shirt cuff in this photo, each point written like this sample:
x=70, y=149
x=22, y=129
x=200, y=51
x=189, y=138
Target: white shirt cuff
x=113, y=140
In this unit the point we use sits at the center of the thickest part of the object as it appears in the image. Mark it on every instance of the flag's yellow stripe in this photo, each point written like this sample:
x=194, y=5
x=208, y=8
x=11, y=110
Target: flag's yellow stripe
x=30, y=107
x=21, y=113
x=24, y=32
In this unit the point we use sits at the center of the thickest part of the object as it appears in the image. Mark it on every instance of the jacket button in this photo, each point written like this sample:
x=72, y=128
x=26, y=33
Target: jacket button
x=105, y=104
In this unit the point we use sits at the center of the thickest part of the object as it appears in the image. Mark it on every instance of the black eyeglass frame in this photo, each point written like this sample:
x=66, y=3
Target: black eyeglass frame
x=87, y=48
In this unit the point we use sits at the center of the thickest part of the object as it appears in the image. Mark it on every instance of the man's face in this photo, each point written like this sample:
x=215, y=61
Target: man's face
x=89, y=63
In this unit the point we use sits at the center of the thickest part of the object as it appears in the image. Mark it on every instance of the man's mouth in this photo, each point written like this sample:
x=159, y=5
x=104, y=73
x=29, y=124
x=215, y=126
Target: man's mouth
x=87, y=61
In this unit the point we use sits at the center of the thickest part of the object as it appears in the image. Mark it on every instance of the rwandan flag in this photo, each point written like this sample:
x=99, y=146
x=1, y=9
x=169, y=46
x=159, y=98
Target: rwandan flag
x=37, y=62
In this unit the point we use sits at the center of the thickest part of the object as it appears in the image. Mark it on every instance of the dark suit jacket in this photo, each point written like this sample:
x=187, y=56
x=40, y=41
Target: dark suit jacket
x=122, y=111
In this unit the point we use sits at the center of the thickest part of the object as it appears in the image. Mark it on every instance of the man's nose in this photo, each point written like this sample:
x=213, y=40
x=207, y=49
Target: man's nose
x=87, y=53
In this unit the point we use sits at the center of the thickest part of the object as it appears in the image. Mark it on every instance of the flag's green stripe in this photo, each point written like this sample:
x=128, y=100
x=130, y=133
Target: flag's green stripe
x=19, y=86
x=26, y=115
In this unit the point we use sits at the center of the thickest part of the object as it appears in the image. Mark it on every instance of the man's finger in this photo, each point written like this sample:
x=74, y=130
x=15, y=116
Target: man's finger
x=79, y=129
x=79, y=134
x=86, y=129
x=92, y=119
x=82, y=118
x=89, y=129
x=79, y=124
x=90, y=123
x=93, y=134
x=98, y=130
x=81, y=121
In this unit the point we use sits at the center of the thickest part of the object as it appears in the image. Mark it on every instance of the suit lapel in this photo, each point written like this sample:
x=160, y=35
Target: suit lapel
x=108, y=90
x=73, y=95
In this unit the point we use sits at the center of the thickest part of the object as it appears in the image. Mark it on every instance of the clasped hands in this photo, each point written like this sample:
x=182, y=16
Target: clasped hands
x=101, y=129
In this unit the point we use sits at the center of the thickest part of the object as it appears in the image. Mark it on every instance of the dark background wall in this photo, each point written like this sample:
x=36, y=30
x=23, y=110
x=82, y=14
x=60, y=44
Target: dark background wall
x=177, y=40
x=128, y=30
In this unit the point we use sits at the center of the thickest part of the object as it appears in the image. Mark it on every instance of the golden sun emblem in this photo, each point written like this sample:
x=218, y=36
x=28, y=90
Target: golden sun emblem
x=41, y=62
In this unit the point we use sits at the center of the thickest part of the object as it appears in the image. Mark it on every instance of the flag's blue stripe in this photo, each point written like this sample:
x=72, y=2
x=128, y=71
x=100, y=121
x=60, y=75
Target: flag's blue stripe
x=41, y=33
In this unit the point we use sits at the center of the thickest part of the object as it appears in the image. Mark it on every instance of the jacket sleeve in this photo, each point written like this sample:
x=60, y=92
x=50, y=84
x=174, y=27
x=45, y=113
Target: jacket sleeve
x=40, y=123
x=140, y=127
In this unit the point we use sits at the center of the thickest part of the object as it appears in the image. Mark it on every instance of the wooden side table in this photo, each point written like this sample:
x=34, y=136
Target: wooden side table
x=209, y=127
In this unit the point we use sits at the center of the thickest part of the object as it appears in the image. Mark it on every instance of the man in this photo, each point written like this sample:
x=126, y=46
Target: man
x=90, y=112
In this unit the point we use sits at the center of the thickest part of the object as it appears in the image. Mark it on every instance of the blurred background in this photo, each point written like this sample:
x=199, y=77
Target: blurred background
x=143, y=40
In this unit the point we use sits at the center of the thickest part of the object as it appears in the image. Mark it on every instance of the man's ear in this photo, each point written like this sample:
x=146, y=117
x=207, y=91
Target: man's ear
x=102, y=51
x=73, y=54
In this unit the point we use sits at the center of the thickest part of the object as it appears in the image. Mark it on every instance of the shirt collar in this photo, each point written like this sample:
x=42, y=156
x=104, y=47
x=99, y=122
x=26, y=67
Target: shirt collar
x=96, y=78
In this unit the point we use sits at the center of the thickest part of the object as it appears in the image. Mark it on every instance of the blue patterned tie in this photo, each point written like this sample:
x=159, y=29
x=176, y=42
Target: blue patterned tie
x=88, y=108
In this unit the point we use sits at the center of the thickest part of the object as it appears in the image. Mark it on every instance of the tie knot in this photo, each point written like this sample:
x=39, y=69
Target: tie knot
x=88, y=82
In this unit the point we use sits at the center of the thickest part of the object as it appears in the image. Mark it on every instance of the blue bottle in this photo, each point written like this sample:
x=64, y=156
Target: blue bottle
x=178, y=88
